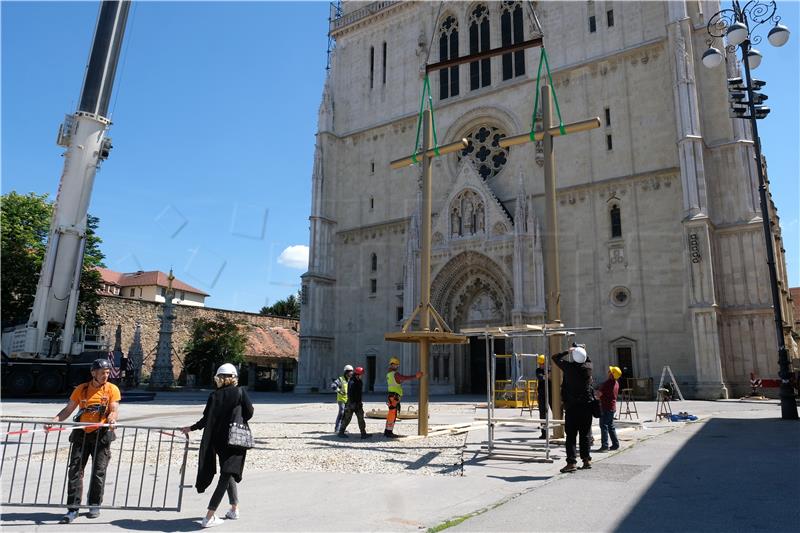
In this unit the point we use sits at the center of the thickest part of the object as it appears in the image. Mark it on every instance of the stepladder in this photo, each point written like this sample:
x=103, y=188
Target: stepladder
x=673, y=388
x=626, y=406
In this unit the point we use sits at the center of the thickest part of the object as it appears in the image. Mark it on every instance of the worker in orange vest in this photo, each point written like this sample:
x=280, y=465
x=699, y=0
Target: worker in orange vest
x=394, y=380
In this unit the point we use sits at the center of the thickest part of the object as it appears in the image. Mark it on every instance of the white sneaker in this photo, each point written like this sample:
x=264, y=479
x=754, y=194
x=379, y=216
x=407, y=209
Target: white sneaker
x=211, y=522
x=69, y=517
x=94, y=512
x=232, y=514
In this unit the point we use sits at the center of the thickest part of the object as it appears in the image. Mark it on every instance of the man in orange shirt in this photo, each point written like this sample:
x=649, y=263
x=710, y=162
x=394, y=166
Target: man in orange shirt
x=98, y=400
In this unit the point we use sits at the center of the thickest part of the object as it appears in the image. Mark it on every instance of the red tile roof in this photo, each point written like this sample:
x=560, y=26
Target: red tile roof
x=271, y=342
x=141, y=278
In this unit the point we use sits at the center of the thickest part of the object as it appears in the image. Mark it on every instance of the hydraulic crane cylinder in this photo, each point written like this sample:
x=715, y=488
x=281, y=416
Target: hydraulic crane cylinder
x=84, y=136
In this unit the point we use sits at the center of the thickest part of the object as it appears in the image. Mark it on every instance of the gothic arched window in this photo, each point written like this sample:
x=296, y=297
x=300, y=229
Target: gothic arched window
x=448, y=49
x=480, y=72
x=511, y=29
x=616, y=221
x=371, y=66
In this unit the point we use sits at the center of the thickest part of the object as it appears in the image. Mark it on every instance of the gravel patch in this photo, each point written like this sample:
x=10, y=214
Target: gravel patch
x=290, y=447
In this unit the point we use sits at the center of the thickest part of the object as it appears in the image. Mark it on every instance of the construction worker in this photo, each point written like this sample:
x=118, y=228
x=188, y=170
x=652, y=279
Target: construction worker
x=608, y=407
x=577, y=394
x=395, y=380
x=355, y=404
x=340, y=386
x=541, y=387
x=98, y=400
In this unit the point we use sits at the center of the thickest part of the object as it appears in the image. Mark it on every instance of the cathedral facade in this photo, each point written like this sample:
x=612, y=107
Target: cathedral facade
x=660, y=237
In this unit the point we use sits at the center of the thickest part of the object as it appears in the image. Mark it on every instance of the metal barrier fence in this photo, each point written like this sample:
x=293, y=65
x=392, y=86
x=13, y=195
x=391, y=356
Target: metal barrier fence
x=145, y=472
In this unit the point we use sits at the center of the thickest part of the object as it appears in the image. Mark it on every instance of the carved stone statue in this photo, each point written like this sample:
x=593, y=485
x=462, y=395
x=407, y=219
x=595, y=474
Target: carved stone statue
x=469, y=218
x=455, y=223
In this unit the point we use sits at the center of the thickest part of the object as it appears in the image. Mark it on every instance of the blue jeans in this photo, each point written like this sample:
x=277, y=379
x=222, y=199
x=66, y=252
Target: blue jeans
x=607, y=428
x=340, y=415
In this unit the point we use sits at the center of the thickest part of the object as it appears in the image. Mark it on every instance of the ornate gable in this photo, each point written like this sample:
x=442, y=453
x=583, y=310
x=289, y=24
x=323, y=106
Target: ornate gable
x=471, y=210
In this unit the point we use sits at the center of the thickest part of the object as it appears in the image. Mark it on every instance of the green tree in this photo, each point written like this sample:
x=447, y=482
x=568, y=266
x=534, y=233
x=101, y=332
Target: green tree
x=289, y=307
x=213, y=342
x=25, y=229
x=89, y=299
x=25, y=224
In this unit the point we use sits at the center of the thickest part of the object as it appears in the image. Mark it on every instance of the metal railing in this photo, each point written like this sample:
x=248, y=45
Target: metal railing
x=349, y=18
x=146, y=467
x=508, y=393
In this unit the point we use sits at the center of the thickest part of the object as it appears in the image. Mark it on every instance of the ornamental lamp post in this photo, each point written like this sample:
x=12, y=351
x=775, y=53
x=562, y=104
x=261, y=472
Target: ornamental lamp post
x=736, y=26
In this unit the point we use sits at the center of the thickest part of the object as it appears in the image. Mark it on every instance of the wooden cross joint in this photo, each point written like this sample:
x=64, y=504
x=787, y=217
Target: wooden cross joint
x=432, y=152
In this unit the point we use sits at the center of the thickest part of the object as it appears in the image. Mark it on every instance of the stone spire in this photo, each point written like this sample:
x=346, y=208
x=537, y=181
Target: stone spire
x=325, y=114
x=163, y=375
x=136, y=354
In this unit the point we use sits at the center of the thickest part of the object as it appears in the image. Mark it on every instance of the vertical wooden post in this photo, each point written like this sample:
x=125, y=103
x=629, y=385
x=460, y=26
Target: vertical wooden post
x=425, y=271
x=550, y=249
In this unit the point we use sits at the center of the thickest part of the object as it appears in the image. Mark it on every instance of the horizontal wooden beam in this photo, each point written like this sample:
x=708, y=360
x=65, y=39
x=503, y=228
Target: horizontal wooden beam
x=575, y=127
x=443, y=150
x=483, y=55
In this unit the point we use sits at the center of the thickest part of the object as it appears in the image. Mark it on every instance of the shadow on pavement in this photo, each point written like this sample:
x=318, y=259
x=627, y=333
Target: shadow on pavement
x=26, y=519
x=521, y=479
x=732, y=475
x=177, y=524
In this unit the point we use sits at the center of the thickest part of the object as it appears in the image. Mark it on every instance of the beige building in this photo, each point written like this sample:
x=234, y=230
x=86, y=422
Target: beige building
x=150, y=286
x=660, y=234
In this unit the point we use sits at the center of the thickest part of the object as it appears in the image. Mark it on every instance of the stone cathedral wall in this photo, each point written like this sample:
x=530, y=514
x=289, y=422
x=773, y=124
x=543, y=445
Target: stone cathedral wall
x=683, y=285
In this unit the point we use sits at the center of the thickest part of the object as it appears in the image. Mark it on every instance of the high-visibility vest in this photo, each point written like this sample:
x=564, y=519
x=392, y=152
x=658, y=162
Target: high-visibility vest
x=341, y=393
x=394, y=386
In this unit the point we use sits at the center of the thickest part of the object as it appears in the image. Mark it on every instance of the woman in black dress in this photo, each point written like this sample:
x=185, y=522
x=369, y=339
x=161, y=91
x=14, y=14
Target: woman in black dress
x=214, y=444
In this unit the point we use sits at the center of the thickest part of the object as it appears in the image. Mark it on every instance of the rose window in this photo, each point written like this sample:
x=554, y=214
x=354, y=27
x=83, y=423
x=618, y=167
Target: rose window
x=484, y=151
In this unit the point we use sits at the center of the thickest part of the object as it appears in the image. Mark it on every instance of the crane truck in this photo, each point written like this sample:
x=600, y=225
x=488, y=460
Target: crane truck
x=49, y=352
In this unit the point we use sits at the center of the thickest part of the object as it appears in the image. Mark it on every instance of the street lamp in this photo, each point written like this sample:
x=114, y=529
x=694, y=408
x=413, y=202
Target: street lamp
x=735, y=26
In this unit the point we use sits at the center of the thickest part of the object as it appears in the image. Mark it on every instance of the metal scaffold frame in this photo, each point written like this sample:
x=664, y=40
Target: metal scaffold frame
x=522, y=450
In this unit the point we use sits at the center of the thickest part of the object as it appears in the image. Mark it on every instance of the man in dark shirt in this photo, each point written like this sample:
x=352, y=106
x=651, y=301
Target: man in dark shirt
x=355, y=405
x=576, y=394
x=608, y=406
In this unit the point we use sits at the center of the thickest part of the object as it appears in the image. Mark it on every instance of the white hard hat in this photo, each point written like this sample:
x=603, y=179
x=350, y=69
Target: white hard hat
x=579, y=355
x=227, y=370
x=348, y=368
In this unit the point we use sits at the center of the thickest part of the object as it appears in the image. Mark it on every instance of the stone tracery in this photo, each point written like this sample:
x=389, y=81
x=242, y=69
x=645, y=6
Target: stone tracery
x=471, y=287
x=484, y=150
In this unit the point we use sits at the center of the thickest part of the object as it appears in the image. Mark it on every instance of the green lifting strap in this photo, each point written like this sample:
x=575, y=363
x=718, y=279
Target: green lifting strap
x=543, y=60
x=426, y=88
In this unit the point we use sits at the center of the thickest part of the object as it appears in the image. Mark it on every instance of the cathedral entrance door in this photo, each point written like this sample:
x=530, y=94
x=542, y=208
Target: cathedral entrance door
x=477, y=364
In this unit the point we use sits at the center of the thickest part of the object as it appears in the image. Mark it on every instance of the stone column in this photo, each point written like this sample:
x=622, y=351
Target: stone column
x=316, y=316
x=703, y=309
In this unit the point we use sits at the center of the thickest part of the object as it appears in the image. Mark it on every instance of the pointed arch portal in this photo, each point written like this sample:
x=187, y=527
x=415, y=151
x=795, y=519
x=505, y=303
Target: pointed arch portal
x=470, y=290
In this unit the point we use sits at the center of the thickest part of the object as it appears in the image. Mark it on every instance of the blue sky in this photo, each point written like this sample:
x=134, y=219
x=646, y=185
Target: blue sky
x=214, y=120
x=215, y=111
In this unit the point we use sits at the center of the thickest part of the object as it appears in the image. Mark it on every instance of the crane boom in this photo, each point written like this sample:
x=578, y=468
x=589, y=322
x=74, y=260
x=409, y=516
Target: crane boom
x=49, y=331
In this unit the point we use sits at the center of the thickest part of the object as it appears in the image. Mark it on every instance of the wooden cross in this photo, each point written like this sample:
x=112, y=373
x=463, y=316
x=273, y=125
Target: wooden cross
x=550, y=232
x=441, y=334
